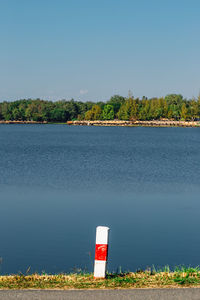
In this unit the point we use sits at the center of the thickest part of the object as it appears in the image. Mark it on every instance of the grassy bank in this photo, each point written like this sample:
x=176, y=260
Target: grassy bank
x=180, y=277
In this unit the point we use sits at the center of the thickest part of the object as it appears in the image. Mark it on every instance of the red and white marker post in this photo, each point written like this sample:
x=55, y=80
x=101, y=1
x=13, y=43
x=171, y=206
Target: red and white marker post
x=101, y=252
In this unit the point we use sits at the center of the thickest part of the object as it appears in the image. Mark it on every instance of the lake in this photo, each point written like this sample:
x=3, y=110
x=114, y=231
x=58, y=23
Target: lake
x=57, y=183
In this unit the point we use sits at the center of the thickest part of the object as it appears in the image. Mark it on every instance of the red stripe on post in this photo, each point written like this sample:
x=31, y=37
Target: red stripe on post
x=101, y=252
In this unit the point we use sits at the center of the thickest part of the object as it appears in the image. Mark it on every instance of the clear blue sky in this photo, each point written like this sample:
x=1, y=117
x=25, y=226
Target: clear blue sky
x=93, y=49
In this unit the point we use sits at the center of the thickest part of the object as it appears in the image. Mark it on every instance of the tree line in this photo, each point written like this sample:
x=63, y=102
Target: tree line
x=172, y=106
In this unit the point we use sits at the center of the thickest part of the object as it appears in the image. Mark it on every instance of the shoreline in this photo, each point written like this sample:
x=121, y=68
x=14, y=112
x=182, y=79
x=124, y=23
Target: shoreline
x=138, y=123
x=22, y=122
x=111, y=123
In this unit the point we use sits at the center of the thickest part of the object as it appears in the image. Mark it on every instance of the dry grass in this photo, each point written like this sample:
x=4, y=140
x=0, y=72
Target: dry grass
x=189, y=277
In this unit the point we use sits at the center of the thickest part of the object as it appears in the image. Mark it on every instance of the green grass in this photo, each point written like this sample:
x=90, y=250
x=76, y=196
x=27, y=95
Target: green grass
x=151, y=278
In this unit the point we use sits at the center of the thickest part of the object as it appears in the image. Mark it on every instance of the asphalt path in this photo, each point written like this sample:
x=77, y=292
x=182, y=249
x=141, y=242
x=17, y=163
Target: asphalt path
x=135, y=294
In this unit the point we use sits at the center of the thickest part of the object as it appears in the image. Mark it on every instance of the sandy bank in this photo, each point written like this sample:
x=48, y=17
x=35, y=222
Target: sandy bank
x=153, y=123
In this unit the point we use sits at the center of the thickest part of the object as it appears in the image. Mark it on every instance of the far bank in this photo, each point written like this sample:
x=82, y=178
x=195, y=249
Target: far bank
x=152, y=123
x=138, y=123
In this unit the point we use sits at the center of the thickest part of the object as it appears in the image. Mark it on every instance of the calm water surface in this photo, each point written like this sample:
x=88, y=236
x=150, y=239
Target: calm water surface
x=57, y=183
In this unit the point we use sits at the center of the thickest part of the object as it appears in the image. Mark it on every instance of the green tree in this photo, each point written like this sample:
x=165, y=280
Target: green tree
x=116, y=101
x=108, y=112
x=184, y=112
x=194, y=113
x=145, y=110
x=134, y=109
x=58, y=114
x=94, y=113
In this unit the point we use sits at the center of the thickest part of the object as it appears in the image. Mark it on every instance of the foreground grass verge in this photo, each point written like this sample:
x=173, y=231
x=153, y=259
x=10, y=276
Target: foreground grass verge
x=181, y=277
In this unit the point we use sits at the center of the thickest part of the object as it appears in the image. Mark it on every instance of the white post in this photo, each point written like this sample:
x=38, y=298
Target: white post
x=101, y=251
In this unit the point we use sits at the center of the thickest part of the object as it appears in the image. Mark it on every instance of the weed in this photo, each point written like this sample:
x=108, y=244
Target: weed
x=151, y=278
